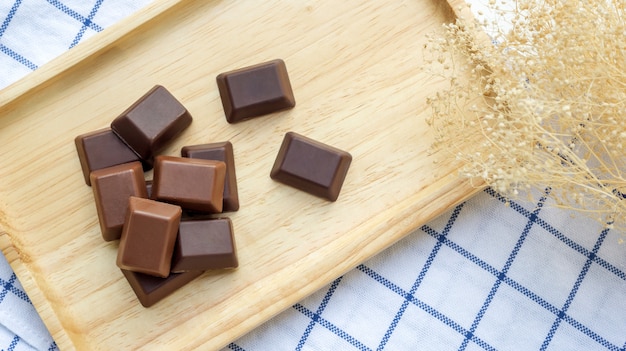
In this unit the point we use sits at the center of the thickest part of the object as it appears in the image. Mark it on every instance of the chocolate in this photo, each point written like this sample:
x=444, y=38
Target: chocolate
x=205, y=244
x=194, y=184
x=148, y=237
x=150, y=289
x=311, y=166
x=255, y=91
x=112, y=187
x=222, y=151
x=101, y=149
x=151, y=122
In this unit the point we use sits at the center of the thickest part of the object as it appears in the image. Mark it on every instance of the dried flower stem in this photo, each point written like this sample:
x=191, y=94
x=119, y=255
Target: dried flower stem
x=549, y=99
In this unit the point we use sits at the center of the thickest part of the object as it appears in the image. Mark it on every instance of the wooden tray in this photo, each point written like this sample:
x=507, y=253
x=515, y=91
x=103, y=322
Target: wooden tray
x=355, y=70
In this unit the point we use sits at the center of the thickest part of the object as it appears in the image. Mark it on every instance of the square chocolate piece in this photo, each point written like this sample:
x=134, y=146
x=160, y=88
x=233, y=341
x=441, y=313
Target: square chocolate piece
x=255, y=91
x=101, y=149
x=222, y=151
x=151, y=122
x=192, y=183
x=205, y=244
x=311, y=166
x=148, y=237
x=150, y=289
x=112, y=187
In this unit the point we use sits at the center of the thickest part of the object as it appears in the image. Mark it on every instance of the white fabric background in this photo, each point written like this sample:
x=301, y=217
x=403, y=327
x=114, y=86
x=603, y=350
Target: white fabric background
x=485, y=275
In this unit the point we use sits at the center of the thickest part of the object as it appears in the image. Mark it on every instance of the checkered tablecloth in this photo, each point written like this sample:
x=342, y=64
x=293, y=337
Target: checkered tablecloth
x=487, y=275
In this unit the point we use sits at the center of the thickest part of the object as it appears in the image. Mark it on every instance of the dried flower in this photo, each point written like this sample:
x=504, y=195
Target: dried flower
x=547, y=98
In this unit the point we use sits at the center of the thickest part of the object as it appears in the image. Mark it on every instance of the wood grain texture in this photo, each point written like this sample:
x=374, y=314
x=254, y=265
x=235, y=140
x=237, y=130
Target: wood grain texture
x=355, y=68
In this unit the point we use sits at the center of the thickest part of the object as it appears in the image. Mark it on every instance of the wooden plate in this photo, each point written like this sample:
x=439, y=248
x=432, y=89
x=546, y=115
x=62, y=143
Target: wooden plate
x=355, y=70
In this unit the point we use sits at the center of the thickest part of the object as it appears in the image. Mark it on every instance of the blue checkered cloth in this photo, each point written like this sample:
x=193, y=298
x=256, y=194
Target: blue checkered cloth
x=487, y=275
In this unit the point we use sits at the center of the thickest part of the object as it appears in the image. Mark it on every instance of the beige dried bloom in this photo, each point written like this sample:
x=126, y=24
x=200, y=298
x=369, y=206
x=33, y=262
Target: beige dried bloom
x=548, y=98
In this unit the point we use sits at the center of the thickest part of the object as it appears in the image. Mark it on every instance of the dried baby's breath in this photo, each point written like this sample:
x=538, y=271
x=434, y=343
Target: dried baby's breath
x=548, y=97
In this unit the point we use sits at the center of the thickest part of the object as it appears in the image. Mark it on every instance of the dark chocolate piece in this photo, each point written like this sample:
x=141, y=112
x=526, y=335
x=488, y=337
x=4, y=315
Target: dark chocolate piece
x=150, y=289
x=194, y=184
x=255, y=91
x=311, y=166
x=101, y=149
x=222, y=151
x=151, y=122
x=112, y=187
x=148, y=237
x=205, y=244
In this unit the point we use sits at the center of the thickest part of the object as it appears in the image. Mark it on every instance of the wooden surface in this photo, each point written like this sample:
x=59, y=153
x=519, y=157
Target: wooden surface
x=355, y=71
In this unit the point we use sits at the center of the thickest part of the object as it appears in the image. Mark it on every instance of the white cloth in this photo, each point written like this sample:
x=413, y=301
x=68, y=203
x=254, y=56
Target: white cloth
x=485, y=275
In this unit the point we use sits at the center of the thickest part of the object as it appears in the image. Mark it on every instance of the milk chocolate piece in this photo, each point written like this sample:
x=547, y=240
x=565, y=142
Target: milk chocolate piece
x=222, y=151
x=205, y=244
x=194, y=184
x=101, y=149
x=150, y=289
x=255, y=91
x=151, y=122
x=148, y=237
x=311, y=166
x=112, y=187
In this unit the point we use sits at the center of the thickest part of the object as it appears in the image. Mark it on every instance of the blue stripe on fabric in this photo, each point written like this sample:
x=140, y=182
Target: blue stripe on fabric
x=609, y=267
x=13, y=344
x=235, y=347
x=53, y=347
x=494, y=289
x=331, y=327
x=86, y=23
x=318, y=313
x=9, y=286
x=531, y=295
x=590, y=333
x=75, y=15
x=10, y=15
x=420, y=278
x=574, y=290
x=17, y=57
x=424, y=306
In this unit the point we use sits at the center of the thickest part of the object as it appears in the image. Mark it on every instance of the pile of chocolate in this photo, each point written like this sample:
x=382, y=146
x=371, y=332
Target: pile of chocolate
x=167, y=230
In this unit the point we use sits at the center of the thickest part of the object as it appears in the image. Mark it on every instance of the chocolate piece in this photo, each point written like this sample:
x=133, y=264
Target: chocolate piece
x=101, y=149
x=148, y=237
x=311, y=166
x=194, y=184
x=151, y=122
x=112, y=187
x=220, y=152
x=205, y=244
x=150, y=289
x=255, y=91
